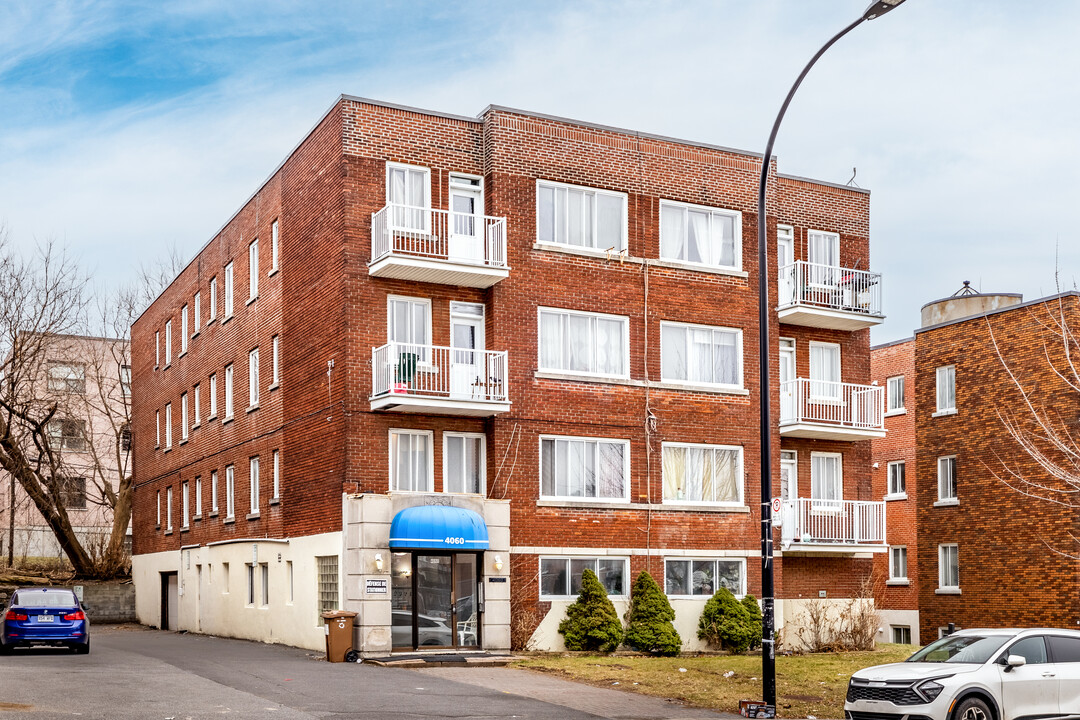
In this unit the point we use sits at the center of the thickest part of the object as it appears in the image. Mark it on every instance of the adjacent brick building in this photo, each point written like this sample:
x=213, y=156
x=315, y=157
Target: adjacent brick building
x=469, y=358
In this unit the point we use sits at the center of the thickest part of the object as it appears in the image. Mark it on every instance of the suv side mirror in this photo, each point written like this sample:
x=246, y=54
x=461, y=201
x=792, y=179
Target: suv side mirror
x=1015, y=661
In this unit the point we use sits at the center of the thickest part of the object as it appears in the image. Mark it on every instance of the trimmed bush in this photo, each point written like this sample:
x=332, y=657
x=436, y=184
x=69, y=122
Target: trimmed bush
x=591, y=623
x=725, y=623
x=649, y=626
x=751, y=604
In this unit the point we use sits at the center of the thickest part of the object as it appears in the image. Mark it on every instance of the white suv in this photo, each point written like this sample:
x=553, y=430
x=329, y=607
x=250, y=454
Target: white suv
x=975, y=675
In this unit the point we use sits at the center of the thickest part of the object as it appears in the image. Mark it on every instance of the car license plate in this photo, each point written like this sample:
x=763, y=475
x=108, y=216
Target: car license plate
x=45, y=618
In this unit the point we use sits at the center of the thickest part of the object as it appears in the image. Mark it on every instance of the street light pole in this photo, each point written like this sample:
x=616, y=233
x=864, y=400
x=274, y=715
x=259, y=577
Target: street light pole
x=768, y=642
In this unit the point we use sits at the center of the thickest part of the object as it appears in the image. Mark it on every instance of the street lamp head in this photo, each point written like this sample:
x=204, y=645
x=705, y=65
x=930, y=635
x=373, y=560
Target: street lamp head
x=879, y=8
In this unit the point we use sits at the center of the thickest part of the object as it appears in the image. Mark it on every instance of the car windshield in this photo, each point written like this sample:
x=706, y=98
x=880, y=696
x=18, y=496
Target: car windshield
x=960, y=649
x=44, y=598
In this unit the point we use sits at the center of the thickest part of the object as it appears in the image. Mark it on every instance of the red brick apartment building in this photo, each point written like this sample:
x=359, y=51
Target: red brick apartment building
x=892, y=366
x=991, y=553
x=436, y=366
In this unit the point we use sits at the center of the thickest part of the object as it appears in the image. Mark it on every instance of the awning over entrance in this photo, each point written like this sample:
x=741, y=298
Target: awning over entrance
x=438, y=527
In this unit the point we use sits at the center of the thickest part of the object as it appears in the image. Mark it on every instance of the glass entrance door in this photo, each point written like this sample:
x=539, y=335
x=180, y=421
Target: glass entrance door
x=434, y=600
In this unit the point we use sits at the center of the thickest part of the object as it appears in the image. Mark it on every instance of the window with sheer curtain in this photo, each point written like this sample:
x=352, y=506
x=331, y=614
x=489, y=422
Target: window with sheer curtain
x=408, y=189
x=583, y=343
x=410, y=460
x=946, y=388
x=826, y=480
x=706, y=236
x=463, y=463
x=580, y=217
x=584, y=468
x=700, y=354
x=702, y=474
x=825, y=371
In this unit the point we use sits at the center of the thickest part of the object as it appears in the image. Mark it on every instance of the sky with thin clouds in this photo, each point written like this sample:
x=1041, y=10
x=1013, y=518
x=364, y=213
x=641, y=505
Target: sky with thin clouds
x=130, y=128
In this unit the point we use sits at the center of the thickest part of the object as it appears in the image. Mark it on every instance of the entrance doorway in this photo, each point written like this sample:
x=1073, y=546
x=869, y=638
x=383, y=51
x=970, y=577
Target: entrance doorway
x=170, y=600
x=435, y=600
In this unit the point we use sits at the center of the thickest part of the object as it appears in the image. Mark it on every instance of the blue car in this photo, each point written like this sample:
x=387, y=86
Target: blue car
x=44, y=616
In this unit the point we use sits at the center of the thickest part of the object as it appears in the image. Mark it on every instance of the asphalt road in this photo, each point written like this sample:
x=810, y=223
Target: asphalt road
x=143, y=674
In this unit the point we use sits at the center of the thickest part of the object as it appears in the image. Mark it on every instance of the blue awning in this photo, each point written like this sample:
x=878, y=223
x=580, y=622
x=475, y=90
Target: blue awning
x=438, y=527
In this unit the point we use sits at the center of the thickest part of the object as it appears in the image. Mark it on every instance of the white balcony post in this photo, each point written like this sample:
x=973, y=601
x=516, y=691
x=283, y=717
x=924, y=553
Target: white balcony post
x=856, y=516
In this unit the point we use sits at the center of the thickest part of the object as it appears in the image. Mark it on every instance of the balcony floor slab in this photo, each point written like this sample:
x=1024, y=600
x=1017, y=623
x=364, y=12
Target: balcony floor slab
x=824, y=431
x=827, y=318
x=443, y=272
x=399, y=402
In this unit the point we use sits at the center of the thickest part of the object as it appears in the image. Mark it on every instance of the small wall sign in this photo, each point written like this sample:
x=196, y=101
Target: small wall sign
x=497, y=579
x=375, y=586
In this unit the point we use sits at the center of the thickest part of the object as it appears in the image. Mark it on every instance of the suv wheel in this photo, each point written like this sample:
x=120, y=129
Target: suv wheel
x=973, y=708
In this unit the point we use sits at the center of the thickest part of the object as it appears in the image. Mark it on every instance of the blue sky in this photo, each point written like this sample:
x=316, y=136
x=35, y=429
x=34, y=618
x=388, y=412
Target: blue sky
x=128, y=128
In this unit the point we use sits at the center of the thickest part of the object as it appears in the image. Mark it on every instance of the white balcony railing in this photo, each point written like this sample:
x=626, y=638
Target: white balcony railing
x=432, y=371
x=832, y=522
x=830, y=287
x=844, y=405
x=425, y=233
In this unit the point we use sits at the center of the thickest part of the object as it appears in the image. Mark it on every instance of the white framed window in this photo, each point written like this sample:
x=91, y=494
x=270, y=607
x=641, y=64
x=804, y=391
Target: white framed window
x=213, y=492
x=692, y=577
x=253, y=269
x=826, y=480
x=168, y=425
x=196, y=413
x=157, y=414
x=157, y=349
x=701, y=354
x=408, y=191
x=196, y=314
x=185, y=516
x=158, y=508
x=230, y=492
x=897, y=478
x=183, y=416
x=825, y=372
x=901, y=634
x=560, y=577
x=898, y=562
x=946, y=389
x=700, y=235
x=253, y=378
x=253, y=483
x=946, y=479
x=228, y=391
x=580, y=217
x=274, y=245
x=228, y=291
x=198, y=496
x=948, y=567
x=408, y=320
x=464, y=462
x=823, y=250
x=212, y=388
x=894, y=395
x=183, y=329
x=275, y=345
x=168, y=343
x=411, y=466
x=264, y=577
x=125, y=380
x=168, y=509
x=212, y=314
x=584, y=343
x=706, y=474
x=67, y=377
x=586, y=468
x=277, y=475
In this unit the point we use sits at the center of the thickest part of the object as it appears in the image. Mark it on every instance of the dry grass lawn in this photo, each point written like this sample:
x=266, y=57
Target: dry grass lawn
x=805, y=684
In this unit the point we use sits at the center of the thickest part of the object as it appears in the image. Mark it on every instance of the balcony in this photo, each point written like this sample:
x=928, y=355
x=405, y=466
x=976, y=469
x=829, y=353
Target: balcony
x=439, y=380
x=438, y=246
x=822, y=410
x=831, y=526
x=826, y=296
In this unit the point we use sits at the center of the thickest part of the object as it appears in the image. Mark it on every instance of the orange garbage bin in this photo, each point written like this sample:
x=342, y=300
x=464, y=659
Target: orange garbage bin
x=339, y=636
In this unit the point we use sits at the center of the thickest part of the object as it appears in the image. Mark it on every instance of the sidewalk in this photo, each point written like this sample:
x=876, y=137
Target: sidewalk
x=604, y=703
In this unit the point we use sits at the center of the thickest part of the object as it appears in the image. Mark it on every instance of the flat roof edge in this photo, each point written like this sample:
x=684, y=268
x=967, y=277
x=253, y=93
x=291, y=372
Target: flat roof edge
x=410, y=108
x=892, y=342
x=838, y=186
x=1018, y=306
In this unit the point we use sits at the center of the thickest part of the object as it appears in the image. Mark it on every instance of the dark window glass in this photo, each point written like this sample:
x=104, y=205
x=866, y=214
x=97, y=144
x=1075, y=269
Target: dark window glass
x=1032, y=649
x=44, y=599
x=1064, y=649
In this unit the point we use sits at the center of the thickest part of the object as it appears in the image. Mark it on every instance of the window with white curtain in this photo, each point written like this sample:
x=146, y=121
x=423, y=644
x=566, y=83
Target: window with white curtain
x=580, y=217
x=823, y=248
x=702, y=235
x=702, y=474
x=253, y=378
x=894, y=394
x=588, y=468
x=196, y=314
x=898, y=562
x=408, y=191
x=701, y=354
x=253, y=269
x=825, y=371
x=946, y=388
x=946, y=473
x=948, y=567
x=410, y=460
x=183, y=329
x=408, y=320
x=228, y=391
x=274, y=244
x=581, y=342
x=897, y=478
x=212, y=310
x=826, y=480
x=228, y=291
x=463, y=463
x=183, y=416
x=168, y=342
x=230, y=492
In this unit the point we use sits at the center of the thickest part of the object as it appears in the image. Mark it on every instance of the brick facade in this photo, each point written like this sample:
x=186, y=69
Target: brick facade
x=327, y=308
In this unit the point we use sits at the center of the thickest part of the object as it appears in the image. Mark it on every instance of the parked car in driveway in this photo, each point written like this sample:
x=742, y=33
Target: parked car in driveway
x=44, y=616
x=975, y=675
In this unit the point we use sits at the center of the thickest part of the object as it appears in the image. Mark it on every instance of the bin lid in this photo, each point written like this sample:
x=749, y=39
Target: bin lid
x=438, y=527
x=332, y=614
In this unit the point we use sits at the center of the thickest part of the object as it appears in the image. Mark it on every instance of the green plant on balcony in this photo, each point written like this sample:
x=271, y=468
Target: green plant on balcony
x=405, y=371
